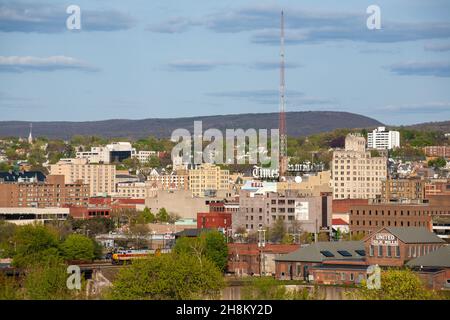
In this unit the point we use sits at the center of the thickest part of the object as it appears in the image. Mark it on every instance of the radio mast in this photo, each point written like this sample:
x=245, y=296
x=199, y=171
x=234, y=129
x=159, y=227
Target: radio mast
x=282, y=117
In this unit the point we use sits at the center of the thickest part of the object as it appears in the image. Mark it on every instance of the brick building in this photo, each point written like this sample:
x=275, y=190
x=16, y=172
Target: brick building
x=306, y=262
x=218, y=217
x=89, y=212
x=341, y=207
x=437, y=151
x=369, y=218
x=103, y=207
x=346, y=262
x=437, y=188
x=245, y=258
x=434, y=268
x=402, y=189
x=52, y=192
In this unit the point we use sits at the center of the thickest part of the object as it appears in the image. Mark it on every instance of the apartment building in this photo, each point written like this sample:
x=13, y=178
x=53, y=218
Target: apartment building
x=101, y=178
x=136, y=190
x=175, y=180
x=53, y=192
x=402, y=189
x=382, y=139
x=437, y=151
x=355, y=173
x=207, y=179
x=144, y=156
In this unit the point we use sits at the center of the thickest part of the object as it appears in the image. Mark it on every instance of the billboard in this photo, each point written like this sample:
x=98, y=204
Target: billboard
x=301, y=210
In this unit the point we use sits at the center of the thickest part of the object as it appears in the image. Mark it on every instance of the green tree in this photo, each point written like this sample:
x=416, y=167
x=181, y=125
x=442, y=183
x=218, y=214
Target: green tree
x=437, y=163
x=7, y=232
x=162, y=215
x=94, y=226
x=263, y=288
x=397, y=284
x=4, y=166
x=35, y=244
x=153, y=162
x=287, y=239
x=78, y=247
x=47, y=281
x=9, y=288
x=211, y=245
x=148, y=216
x=216, y=248
x=168, y=277
x=277, y=231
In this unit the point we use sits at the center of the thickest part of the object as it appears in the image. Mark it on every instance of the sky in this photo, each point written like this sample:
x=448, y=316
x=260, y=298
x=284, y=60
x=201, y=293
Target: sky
x=141, y=59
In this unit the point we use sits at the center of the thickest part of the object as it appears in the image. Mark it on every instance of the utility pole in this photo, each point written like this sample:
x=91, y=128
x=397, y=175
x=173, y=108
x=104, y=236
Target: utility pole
x=315, y=233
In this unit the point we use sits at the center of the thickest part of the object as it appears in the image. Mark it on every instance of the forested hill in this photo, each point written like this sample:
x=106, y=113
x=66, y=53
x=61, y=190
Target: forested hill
x=298, y=124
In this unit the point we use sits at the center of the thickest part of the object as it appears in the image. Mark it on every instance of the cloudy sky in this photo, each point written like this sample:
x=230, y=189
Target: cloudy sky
x=144, y=59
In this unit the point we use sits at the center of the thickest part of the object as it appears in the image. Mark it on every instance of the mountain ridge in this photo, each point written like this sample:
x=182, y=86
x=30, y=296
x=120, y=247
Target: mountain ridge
x=299, y=123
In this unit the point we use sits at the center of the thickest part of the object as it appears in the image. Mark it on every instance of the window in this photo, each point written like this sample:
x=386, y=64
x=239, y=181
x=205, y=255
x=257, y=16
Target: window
x=372, y=249
x=388, y=251
x=362, y=253
x=344, y=253
x=397, y=251
x=352, y=277
x=380, y=251
x=327, y=253
x=343, y=276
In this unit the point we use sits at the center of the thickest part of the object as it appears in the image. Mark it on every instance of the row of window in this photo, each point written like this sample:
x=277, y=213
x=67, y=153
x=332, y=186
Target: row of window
x=388, y=252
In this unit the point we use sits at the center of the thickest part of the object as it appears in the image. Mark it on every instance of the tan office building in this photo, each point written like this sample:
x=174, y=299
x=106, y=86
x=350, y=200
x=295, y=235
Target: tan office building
x=101, y=178
x=208, y=178
x=355, y=173
x=136, y=190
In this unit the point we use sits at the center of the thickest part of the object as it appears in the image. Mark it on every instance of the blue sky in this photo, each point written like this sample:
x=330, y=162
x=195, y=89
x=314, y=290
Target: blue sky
x=161, y=59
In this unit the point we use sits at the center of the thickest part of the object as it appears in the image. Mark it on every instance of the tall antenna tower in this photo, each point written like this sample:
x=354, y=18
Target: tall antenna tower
x=282, y=117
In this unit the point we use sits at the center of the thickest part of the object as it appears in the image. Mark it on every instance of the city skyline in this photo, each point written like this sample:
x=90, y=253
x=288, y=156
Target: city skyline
x=170, y=60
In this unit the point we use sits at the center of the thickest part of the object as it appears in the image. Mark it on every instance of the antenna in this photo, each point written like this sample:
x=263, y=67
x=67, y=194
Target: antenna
x=282, y=116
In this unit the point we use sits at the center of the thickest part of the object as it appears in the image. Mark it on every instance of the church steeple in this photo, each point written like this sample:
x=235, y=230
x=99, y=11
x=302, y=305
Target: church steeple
x=30, y=136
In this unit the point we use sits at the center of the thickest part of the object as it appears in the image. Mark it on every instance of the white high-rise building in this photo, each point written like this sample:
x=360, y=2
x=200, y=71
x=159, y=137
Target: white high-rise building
x=382, y=139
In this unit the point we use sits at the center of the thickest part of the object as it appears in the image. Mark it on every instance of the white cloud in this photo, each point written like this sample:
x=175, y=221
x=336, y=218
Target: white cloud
x=52, y=63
